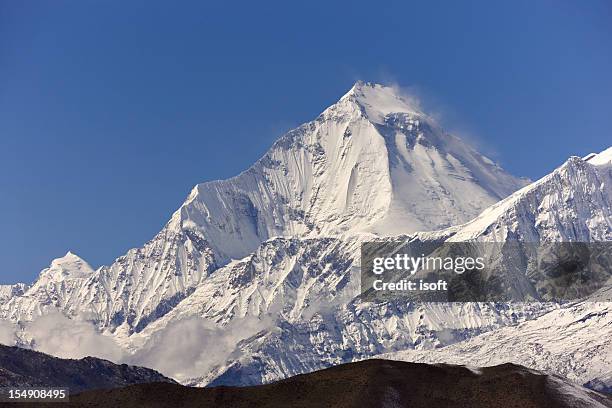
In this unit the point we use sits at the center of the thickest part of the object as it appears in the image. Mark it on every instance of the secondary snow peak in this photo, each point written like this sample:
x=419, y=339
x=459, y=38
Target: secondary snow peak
x=68, y=266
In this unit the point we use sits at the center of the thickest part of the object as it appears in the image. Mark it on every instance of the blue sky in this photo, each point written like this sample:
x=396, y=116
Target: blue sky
x=111, y=111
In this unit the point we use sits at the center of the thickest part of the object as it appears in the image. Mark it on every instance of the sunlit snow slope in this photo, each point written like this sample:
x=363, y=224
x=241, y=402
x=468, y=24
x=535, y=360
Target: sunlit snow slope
x=372, y=162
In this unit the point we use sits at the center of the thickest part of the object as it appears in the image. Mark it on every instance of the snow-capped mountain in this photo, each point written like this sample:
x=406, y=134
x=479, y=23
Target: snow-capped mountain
x=371, y=162
x=573, y=341
x=570, y=204
x=264, y=268
x=57, y=286
x=9, y=291
x=573, y=203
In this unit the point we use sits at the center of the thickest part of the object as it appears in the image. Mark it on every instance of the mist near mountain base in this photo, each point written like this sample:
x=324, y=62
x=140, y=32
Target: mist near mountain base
x=183, y=350
x=7, y=332
x=55, y=334
x=190, y=347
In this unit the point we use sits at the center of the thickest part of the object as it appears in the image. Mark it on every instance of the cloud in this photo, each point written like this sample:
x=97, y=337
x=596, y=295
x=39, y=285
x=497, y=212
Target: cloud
x=184, y=349
x=192, y=347
x=7, y=333
x=432, y=104
x=60, y=336
x=447, y=117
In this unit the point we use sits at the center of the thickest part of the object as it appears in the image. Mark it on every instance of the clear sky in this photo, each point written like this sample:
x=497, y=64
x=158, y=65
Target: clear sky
x=110, y=111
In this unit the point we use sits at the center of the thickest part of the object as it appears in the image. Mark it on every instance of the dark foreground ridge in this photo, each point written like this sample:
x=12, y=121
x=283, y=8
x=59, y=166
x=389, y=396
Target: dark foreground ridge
x=27, y=368
x=369, y=383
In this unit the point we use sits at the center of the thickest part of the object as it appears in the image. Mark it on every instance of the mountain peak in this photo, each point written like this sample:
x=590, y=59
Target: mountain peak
x=67, y=267
x=378, y=101
x=371, y=162
x=69, y=258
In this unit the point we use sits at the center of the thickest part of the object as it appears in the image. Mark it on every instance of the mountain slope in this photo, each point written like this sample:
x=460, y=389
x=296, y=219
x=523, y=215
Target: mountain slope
x=370, y=383
x=574, y=341
x=27, y=368
x=573, y=203
x=570, y=204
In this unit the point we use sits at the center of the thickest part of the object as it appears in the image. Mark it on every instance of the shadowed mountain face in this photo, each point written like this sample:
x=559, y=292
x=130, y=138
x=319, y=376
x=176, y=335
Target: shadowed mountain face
x=26, y=368
x=369, y=383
